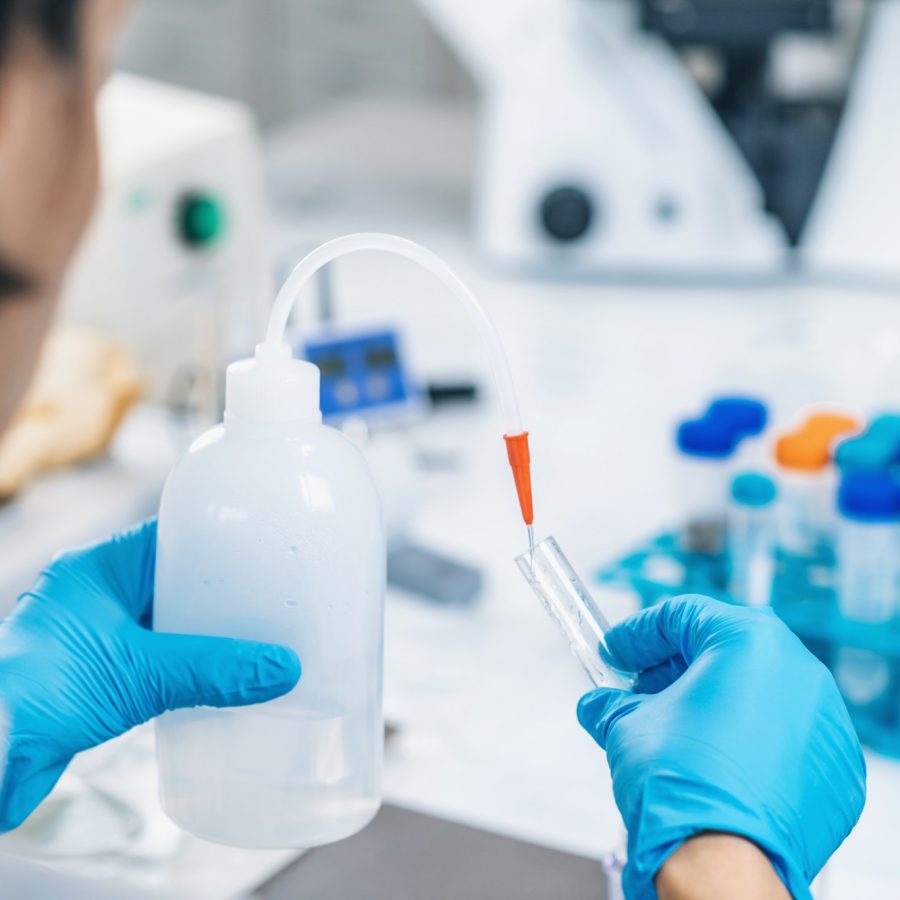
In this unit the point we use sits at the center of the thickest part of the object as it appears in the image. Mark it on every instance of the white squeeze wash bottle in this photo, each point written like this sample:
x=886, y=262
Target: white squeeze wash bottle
x=270, y=529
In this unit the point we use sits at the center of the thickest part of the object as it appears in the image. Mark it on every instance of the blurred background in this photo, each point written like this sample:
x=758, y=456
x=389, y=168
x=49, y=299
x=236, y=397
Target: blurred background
x=288, y=58
x=669, y=208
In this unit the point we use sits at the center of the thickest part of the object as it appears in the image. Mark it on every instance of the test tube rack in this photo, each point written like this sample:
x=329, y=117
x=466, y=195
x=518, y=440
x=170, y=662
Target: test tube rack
x=803, y=596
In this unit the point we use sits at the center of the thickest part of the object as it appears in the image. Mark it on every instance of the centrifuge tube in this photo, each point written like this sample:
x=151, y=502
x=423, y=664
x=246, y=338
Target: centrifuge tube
x=570, y=605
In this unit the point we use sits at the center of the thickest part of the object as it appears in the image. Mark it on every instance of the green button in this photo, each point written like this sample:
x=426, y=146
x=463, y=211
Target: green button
x=201, y=219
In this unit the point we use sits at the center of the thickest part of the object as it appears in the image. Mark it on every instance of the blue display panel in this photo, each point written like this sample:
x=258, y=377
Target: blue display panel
x=362, y=372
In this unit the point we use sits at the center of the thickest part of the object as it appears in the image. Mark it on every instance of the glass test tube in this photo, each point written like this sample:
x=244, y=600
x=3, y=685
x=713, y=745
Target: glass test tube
x=569, y=603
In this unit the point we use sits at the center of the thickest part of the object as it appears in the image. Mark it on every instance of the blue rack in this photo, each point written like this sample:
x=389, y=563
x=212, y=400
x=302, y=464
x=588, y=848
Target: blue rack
x=803, y=596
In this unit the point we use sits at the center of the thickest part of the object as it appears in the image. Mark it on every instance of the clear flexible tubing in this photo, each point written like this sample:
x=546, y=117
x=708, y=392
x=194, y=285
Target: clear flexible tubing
x=389, y=243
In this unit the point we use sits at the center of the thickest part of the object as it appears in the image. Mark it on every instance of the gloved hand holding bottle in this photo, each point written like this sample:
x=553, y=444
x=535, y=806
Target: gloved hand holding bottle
x=734, y=727
x=78, y=666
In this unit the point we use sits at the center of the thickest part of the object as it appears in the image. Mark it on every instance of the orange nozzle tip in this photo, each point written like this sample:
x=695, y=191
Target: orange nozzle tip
x=520, y=462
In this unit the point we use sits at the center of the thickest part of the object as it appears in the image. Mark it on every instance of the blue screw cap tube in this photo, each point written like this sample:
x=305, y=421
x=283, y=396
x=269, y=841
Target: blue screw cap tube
x=751, y=538
x=868, y=575
x=746, y=416
x=865, y=454
x=703, y=467
x=885, y=427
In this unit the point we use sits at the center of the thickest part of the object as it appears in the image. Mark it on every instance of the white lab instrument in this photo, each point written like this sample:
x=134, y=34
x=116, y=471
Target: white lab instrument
x=853, y=224
x=570, y=604
x=173, y=262
x=751, y=538
x=270, y=529
x=868, y=557
x=597, y=150
x=604, y=148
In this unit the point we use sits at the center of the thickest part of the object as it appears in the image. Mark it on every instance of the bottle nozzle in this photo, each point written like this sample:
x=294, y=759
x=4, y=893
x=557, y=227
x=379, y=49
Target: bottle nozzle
x=272, y=386
x=520, y=462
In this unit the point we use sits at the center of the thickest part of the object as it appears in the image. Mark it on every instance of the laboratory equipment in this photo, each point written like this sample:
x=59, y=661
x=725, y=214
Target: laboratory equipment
x=173, y=262
x=751, y=538
x=856, y=210
x=868, y=559
x=515, y=437
x=709, y=136
x=839, y=597
x=270, y=529
x=806, y=514
x=363, y=373
x=628, y=167
x=570, y=604
x=702, y=470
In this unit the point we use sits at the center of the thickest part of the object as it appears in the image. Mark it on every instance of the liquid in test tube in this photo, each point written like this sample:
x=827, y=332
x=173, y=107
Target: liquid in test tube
x=868, y=575
x=751, y=538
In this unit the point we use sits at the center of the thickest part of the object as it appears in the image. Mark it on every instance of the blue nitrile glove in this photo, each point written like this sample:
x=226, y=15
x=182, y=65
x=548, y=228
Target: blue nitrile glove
x=77, y=667
x=736, y=728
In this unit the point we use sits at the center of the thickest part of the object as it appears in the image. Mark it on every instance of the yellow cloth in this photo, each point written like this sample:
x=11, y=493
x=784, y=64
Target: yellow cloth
x=84, y=385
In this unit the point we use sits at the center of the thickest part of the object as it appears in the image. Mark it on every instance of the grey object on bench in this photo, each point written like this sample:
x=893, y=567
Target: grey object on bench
x=405, y=855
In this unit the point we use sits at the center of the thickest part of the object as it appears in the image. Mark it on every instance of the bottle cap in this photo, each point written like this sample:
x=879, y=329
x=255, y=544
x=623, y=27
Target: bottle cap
x=865, y=454
x=753, y=489
x=272, y=387
x=828, y=426
x=885, y=427
x=809, y=449
x=706, y=438
x=745, y=415
x=802, y=452
x=869, y=497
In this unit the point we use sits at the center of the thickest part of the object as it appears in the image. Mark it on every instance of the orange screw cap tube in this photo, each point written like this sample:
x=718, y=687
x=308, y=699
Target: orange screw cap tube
x=520, y=461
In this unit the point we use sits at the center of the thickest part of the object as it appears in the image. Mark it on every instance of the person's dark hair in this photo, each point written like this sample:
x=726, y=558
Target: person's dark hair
x=55, y=22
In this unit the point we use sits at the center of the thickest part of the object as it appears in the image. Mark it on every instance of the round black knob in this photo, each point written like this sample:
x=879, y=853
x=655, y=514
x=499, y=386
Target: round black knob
x=567, y=213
